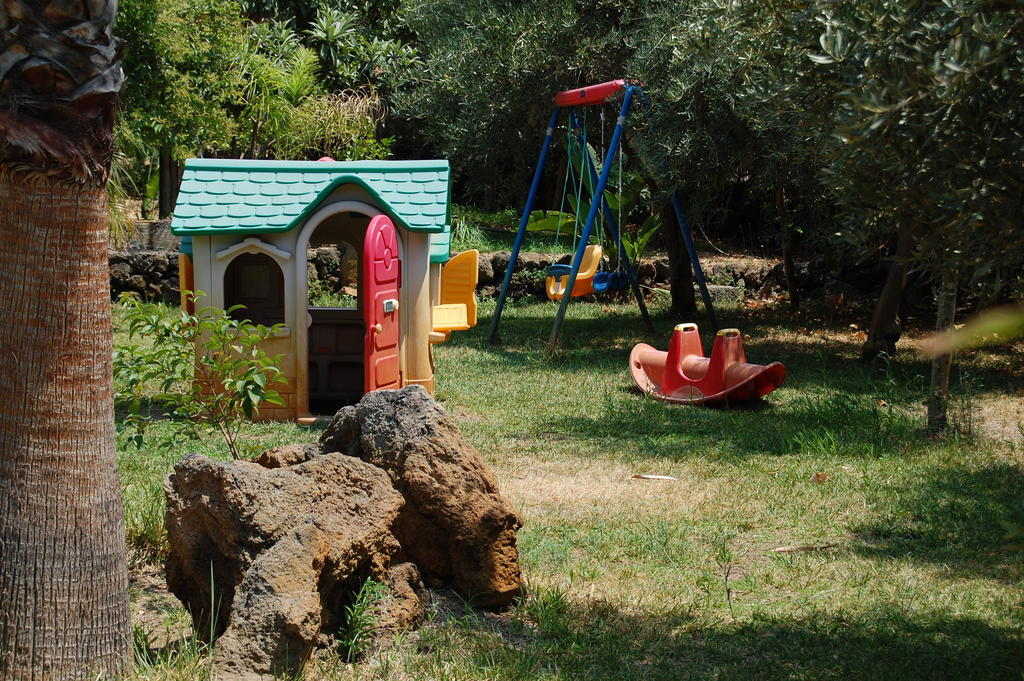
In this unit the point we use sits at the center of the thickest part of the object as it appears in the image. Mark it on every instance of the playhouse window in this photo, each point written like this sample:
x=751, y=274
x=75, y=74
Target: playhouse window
x=257, y=282
x=333, y=276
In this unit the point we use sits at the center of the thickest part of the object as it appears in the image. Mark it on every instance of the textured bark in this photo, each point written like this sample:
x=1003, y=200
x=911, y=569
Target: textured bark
x=885, y=329
x=788, y=265
x=680, y=271
x=63, y=576
x=170, y=172
x=938, y=395
x=60, y=76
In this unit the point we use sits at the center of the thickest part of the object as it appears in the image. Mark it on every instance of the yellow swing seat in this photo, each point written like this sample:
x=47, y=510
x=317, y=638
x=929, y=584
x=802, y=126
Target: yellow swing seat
x=584, y=285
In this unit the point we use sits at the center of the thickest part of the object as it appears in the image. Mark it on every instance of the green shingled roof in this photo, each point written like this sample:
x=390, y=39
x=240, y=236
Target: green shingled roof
x=253, y=197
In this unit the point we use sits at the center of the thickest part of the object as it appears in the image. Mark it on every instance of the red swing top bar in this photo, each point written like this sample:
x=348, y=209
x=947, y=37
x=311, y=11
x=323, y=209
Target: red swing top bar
x=592, y=94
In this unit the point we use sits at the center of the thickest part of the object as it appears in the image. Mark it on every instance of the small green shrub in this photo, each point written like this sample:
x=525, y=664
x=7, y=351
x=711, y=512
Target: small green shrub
x=145, y=530
x=322, y=295
x=206, y=368
x=360, y=618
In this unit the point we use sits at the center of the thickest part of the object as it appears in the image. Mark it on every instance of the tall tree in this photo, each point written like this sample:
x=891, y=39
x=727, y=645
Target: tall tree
x=182, y=58
x=63, y=574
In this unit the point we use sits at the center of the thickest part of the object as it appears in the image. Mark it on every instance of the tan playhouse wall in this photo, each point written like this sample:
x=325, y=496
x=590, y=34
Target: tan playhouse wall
x=286, y=412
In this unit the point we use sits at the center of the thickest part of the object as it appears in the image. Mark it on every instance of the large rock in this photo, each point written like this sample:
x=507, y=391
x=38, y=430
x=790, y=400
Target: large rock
x=533, y=261
x=267, y=555
x=455, y=525
x=275, y=552
x=485, y=270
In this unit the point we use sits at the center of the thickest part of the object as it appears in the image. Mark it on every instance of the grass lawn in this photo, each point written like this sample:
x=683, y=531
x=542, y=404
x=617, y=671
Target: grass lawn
x=677, y=579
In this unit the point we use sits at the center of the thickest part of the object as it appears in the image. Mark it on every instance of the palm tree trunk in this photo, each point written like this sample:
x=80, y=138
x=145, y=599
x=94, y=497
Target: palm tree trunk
x=63, y=577
x=63, y=572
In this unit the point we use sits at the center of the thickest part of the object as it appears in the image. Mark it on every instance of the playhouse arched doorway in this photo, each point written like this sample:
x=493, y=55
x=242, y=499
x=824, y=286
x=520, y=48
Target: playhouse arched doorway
x=338, y=285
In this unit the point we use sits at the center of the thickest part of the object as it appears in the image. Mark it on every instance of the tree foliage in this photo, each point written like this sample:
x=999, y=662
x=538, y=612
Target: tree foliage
x=216, y=77
x=181, y=58
x=845, y=119
x=490, y=72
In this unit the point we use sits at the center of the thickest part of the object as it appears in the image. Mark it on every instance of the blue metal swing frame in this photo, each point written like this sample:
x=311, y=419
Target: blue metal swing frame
x=630, y=92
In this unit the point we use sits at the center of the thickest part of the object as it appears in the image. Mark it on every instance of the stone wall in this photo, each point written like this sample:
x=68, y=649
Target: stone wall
x=153, y=273
x=147, y=263
x=727, y=278
x=152, y=235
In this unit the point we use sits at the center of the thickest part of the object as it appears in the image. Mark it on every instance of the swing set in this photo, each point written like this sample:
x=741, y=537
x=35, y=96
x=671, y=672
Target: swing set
x=585, y=274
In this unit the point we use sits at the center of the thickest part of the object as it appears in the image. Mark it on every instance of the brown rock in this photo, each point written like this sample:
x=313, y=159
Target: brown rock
x=287, y=455
x=661, y=270
x=533, y=261
x=646, y=272
x=485, y=270
x=407, y=605
x=268, y=555
x=266, y=539
x=455, y=526
x=499, y=263
x=276, y=618
x=120, y=273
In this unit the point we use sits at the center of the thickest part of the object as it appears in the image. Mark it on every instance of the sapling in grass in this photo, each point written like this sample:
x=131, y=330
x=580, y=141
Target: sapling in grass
x=207, y=369
x=354, y=636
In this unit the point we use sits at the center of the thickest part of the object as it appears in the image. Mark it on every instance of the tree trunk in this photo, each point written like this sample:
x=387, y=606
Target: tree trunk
x=170, y=179
x=788, y=266
x=680, y=272
x=938, y=394
x=63, y=572
x=63, y=575
x=885, y=328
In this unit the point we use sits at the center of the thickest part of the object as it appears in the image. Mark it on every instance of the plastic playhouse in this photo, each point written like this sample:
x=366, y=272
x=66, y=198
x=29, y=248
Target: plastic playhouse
x=683, y=375
x=246, y=229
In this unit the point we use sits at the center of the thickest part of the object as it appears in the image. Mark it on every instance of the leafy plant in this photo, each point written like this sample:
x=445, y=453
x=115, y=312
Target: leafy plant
x=360, y=618
x=321, y=295
x=288, y=113
x=636, y=239
x=629, y=201
x=206, y=367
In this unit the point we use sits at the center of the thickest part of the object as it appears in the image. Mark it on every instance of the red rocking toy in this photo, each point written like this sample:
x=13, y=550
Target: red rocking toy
x=683, y=375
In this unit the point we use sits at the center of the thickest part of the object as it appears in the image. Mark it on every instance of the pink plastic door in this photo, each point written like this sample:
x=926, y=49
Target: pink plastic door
x=382, y=277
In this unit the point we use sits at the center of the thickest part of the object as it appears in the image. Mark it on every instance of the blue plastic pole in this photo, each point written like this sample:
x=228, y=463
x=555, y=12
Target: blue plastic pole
x=602, y=182
x=613, y=226
x=492, y=333
x=684, y=227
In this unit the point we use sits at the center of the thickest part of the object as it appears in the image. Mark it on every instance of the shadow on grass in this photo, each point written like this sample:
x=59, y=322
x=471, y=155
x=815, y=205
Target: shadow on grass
x=951, y=516
x=835, y=424
x=605, y=343
x=595, y=333
x=598, y=642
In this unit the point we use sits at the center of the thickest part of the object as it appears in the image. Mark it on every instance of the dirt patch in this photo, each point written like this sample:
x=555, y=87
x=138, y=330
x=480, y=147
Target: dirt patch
x=155, y=610
x=999, y=418
x=546, y=487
